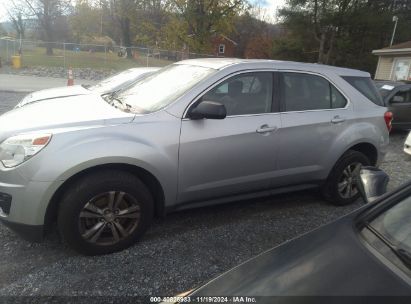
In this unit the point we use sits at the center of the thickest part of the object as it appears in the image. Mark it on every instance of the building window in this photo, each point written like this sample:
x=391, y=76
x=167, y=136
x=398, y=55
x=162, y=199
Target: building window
x=402, y=69
x=221, y=48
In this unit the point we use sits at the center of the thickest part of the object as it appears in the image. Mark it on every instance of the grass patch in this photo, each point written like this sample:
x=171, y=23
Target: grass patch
x=83, y=59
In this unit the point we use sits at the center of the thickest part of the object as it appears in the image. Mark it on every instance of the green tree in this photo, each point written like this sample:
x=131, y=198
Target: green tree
x=340, y=32
x=248, y=30
x=85, y=21
x=47, y=13
x=123, y=12
x=194, y=21
x=319, y=20
x=150, y=23
x=16, y=17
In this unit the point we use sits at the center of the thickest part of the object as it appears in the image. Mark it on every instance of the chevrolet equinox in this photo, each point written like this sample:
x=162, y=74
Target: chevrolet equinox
x=195, y=133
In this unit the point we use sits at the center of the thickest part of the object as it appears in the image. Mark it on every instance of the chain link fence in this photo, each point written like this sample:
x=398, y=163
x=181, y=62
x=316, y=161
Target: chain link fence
x=61, y=54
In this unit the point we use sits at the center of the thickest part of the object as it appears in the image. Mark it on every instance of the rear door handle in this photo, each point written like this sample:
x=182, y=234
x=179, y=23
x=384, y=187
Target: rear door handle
x=266, y=129
x=337, y=119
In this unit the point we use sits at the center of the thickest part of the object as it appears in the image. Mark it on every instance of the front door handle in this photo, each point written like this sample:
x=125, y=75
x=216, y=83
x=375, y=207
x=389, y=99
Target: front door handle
x=266, y=129
x=337, y=119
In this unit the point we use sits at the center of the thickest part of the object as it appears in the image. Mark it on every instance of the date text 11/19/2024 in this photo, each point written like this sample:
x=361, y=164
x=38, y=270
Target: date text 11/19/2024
x=198, y=299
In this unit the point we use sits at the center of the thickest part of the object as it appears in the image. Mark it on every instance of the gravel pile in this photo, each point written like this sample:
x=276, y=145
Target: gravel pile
x=179, y=253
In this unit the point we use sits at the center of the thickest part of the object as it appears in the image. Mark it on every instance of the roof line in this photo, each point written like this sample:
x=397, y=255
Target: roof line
x=225, y=37
x=391, y=51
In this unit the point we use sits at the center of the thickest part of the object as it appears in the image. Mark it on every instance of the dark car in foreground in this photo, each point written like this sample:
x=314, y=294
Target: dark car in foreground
x=397, y=98
x=366, y=253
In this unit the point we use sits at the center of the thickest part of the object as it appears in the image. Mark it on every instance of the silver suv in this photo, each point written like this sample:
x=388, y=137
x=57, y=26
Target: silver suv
x=195, y=133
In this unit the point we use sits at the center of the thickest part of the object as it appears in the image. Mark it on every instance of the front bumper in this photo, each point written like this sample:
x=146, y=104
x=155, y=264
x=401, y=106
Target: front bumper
x=28, y=202
x=24, y=203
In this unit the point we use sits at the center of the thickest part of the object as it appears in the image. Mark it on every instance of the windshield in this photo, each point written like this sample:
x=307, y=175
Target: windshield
x=395, y=224
x=162, y=88
x=118, y=80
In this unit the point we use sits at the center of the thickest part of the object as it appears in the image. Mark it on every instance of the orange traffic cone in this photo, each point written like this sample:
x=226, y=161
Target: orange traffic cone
x=70, y=80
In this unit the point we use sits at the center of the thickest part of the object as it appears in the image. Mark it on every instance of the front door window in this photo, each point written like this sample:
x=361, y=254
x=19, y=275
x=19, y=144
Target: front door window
x=244, y=94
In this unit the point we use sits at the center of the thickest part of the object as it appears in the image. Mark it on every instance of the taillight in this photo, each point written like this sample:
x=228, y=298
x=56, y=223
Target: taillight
x=388, y=120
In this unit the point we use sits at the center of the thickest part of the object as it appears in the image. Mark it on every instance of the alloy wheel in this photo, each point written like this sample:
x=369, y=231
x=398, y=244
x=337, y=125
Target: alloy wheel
x=109, y=218
x=347, y=184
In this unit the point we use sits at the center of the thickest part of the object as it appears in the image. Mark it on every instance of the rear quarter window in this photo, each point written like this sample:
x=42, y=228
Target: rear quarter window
x=366, y=87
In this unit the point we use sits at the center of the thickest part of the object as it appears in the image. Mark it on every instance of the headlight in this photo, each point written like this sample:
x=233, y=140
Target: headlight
x=17, y=149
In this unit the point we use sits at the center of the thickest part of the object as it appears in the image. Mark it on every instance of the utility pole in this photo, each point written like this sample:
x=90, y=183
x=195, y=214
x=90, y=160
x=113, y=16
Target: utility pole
x=394, y=19
x=101, y=18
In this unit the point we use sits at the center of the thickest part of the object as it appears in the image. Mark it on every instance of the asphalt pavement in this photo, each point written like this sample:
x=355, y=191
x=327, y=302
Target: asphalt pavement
x=183, y=251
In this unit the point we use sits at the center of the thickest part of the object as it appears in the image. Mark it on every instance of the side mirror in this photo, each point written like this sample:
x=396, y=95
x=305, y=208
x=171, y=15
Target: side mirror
x=397, y=99
x=371, y=182
x=208, y=109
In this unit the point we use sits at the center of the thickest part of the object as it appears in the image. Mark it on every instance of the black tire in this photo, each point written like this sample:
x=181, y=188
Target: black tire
x=343, y=196
x=90, y=203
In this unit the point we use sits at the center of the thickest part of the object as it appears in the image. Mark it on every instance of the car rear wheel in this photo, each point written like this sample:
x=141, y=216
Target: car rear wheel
x=105, y=212
x=341, y=188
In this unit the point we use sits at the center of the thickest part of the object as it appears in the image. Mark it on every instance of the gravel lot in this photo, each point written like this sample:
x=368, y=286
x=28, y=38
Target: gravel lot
x=184, y=250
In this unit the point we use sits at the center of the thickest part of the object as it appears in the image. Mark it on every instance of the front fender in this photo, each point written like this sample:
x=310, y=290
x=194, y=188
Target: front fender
x=153, y=148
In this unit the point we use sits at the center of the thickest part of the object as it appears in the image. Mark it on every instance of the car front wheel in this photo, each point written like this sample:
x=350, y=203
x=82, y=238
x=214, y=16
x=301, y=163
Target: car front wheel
x=105, y=212
x=341, y=186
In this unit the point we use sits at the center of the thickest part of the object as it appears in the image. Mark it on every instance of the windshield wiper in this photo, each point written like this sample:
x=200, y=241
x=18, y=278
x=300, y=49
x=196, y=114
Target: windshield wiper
x=400, y=252
x=112, y=99
x=113, y=95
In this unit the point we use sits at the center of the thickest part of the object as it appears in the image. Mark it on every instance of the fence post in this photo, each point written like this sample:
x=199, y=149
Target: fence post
x=105, y=55
x=148, y=52
x=64, y=54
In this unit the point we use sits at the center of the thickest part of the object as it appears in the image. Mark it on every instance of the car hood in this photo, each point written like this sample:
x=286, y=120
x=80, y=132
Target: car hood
x=330, y=261
x=53, y=93
x=82, y=110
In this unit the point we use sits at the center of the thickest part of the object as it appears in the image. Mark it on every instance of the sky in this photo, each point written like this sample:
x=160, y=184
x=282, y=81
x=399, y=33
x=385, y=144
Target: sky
x=3, y=3
x=269, y=6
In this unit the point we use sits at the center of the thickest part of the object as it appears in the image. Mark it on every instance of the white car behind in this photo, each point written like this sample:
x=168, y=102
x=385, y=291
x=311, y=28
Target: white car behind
x=407, y=144
x=111, y=84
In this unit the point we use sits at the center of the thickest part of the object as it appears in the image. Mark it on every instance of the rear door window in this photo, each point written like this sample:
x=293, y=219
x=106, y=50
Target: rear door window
x=366, y=87
x=302, y=92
